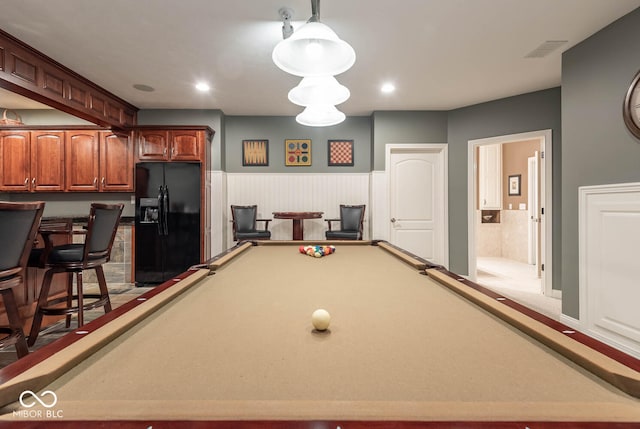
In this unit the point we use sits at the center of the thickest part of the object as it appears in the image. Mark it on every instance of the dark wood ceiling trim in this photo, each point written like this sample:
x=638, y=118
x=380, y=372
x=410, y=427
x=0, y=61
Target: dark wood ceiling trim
x=30, y=73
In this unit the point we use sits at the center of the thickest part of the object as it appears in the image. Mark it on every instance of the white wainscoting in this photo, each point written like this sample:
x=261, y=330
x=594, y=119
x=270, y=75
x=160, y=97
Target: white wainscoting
x=298, y=192
x=218, y=212
x=379, y=205
x=610, y=264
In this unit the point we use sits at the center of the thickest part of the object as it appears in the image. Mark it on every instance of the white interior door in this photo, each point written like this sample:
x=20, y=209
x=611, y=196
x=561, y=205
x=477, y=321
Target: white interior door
x=533, y=224
x=417, y=201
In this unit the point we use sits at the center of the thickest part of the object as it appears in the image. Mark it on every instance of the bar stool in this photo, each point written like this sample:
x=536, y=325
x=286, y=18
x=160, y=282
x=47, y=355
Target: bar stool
x=75, y=258
x=19, y=224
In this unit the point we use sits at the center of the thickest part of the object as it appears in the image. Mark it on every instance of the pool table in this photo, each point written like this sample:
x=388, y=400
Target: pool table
x=230, y=344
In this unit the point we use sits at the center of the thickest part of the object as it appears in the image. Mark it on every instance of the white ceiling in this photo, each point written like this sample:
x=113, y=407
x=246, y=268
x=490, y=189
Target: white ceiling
x=441, y=54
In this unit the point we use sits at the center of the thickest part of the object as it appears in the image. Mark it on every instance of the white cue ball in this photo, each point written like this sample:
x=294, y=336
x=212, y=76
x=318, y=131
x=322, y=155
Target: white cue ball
x=320, y=319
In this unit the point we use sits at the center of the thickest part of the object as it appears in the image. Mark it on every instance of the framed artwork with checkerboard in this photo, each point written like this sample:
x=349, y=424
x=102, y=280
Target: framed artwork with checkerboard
x=340, y=153
x=255, y=153
x=297, y=152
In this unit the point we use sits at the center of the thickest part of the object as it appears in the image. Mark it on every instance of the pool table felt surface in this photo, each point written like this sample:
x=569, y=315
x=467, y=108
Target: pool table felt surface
x=239, y=345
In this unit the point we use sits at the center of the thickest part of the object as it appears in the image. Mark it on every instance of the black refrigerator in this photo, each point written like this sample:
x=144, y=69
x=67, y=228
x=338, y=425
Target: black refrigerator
x=167, y=224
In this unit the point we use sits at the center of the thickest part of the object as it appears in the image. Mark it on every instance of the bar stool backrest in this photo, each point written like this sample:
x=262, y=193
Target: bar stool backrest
x=101, y=231
x=19, y=223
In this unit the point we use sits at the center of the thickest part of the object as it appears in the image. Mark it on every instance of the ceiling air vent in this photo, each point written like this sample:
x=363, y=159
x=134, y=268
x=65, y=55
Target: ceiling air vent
x=546, y=48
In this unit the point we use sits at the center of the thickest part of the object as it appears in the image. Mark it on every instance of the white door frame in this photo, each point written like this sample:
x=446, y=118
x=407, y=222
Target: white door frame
x=546, y=182
x=440, y=148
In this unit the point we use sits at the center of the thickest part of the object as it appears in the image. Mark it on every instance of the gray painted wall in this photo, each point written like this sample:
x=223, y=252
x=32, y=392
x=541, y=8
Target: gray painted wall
x=597, y=147
x=406, y=127
x=278, y=128
x=49, y=117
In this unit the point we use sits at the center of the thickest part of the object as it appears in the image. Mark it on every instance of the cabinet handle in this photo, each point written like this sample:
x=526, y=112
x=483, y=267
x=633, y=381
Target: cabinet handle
x=26, y=181
x=173, y=151
x=164, y=151
x=95, y=181
x=102, y=181
x=33, y=181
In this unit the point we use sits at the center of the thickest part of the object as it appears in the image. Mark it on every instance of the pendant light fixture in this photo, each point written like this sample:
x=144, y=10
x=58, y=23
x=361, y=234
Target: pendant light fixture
x=314, y=49
x=320, y=115
x=317, y=54
x=319, y=90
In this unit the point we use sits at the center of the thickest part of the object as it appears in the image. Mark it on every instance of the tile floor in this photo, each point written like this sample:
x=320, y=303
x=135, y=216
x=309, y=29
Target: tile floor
x=518, y=281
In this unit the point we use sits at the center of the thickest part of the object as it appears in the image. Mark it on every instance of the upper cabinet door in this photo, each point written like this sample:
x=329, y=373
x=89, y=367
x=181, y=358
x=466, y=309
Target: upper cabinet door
x=185, y=145
x=116, y=163
x=47, y=161
x=490, y=177
x=153, y=145
x=15, y=173
x=82, y=160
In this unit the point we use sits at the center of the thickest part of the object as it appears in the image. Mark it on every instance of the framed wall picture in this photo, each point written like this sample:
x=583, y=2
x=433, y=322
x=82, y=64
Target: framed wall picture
x=340, y=153
x=514, y=184
x=297, y=152
x=255, y=153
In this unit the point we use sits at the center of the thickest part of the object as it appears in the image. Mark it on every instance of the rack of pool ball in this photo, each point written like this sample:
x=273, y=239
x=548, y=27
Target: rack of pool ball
x=317, y=251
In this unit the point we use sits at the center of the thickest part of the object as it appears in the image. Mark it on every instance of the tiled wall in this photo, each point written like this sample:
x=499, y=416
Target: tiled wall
x=507, y=239
x=118, y=269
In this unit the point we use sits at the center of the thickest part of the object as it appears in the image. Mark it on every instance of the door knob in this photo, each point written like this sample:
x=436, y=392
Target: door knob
x=393, y=220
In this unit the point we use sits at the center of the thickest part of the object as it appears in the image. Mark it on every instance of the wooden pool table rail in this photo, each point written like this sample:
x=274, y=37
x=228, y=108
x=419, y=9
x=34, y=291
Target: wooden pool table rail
x=613, y=366
x=31, y=372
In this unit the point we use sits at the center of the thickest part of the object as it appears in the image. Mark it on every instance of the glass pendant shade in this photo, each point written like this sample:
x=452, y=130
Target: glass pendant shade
x=314, y=50
x=320, y=115
x=319, y=90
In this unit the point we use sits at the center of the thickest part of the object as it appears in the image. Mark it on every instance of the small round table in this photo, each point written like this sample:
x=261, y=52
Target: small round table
x=298, y=217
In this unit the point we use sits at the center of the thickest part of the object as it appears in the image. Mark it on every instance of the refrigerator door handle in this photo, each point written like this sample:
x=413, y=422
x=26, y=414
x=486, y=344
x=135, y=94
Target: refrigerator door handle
x=160, y=211
x=165, y=208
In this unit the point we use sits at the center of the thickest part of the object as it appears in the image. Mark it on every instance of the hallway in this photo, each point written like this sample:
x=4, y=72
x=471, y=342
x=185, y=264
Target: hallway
x=518, y=281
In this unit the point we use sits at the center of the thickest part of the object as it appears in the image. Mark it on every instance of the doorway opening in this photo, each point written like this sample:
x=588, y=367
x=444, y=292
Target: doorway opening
x=509, y=218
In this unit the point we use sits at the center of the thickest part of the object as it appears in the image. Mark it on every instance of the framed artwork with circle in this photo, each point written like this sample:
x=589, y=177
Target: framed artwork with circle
x=297, y=152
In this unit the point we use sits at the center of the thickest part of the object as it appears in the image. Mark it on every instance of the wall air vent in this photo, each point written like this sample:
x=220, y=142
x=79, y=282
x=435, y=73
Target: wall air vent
x=545, y=48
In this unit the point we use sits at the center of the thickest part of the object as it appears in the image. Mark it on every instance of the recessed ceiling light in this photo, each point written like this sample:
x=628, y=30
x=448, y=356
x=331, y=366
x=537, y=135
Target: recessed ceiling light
x=387, y=88
x=203, y=87
x=143, y=87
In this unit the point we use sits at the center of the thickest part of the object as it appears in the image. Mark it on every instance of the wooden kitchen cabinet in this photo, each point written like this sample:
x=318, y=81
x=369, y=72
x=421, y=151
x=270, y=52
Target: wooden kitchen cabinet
x=186, y=145
x=175, y=144
x=82, y=165
x=32, y=161
x=153, y=145
x=490, y=177
x=116, y=162
x=99, y=161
